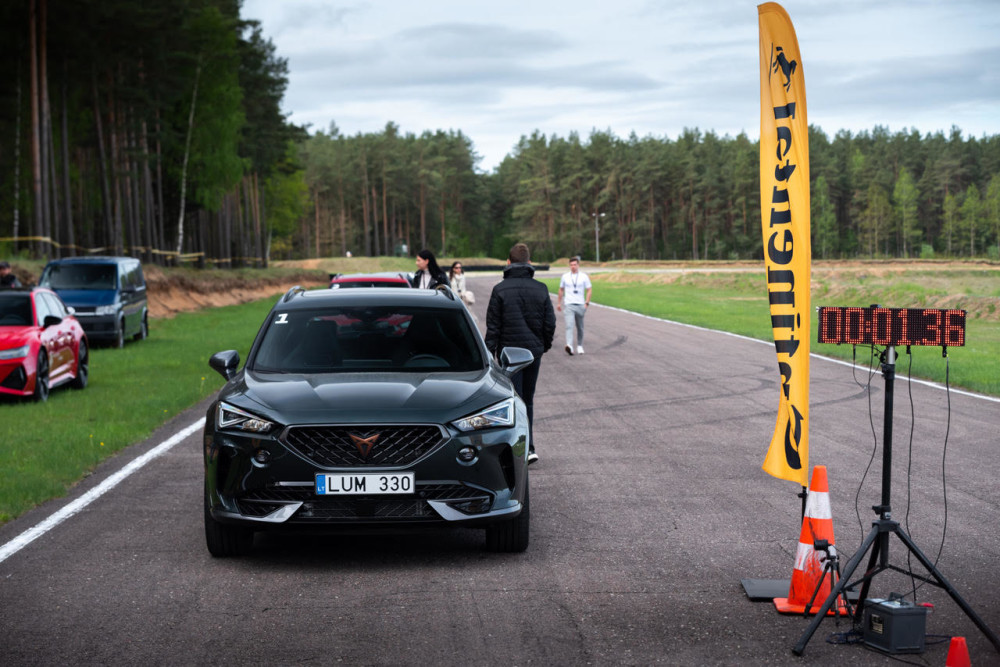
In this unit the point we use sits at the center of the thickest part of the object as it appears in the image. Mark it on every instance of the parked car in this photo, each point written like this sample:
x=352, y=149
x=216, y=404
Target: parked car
x=367, y=409
x=108, y=294
x=41, y=344
x=341, y=280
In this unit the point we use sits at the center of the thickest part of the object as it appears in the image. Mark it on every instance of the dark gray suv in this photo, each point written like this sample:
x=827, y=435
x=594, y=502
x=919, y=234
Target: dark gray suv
x=367, y=408
x=108, y=295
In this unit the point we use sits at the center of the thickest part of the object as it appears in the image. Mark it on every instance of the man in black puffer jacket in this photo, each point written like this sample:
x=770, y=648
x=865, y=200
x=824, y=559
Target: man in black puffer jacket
x=520, y=314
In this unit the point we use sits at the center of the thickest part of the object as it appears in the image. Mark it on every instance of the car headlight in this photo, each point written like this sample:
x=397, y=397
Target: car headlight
x=501, y=414
x=105, y=310
x=15, y=353
x=228, y=416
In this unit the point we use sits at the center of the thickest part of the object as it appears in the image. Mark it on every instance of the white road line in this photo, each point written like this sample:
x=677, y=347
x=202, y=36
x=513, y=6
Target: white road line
x=813, y=355
x=39, y=529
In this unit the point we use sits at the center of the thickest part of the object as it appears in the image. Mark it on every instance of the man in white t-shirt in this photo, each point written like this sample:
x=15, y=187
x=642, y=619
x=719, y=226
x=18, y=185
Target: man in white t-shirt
x=574, y=292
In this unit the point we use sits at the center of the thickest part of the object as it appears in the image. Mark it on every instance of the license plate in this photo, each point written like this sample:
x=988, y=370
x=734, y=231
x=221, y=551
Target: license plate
x=364, y=484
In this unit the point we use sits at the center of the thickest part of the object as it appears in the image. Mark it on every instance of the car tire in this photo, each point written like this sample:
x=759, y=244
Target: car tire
x=41, y=392
x=143, y=329
x=82, y=367
x=119, y=341
x=511, y=536
x=224, y=540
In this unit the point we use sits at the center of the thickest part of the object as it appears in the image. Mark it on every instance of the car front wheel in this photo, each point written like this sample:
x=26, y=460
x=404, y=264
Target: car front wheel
x=511, y=536
x=41, y=392
x=82, y=367
x=224, y=540
x=120, y=335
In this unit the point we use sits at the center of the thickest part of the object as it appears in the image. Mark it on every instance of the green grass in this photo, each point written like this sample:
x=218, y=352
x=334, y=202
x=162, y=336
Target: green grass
x=48, y=447
x=738, y=303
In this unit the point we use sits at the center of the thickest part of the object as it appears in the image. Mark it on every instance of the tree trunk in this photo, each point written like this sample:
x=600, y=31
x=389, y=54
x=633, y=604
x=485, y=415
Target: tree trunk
x=17, y=159
x=184, y=163
x=343, y=220
x=423, y=215
x=389, y=243
x=364, y=205
x=147, y=189
x=103, y=170
x=160, y=234
x=116, y=202
x=258, y=239
x=441, y=208
x=316, y=207
x=378, y=245
x=67, y=191
x=46, y=120
x=36, y=141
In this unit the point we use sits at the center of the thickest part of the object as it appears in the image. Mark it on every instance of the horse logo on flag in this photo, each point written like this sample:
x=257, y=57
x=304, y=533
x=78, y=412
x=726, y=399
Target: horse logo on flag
x=784, y=65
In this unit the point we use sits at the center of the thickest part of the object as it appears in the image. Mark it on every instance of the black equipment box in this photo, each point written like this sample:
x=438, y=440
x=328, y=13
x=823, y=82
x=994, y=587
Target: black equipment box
x=895, y=626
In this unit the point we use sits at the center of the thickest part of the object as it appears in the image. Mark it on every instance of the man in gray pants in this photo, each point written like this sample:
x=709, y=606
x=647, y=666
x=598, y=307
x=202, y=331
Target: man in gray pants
x=574, y=292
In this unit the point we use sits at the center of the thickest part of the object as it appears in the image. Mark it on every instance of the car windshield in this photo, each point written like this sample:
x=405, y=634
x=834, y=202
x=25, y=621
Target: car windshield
x=15, y=310
x=368, y=339
x=80, y=276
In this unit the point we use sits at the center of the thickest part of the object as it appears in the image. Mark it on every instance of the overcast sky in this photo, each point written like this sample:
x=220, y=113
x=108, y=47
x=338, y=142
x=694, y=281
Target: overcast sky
x=500, y=70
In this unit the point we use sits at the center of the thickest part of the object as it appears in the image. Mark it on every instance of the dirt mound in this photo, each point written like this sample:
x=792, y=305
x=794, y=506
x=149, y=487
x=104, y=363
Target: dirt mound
x=174, y=292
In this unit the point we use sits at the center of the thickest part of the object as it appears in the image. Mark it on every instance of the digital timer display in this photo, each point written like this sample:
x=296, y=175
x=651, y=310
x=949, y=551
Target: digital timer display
x=892, y=326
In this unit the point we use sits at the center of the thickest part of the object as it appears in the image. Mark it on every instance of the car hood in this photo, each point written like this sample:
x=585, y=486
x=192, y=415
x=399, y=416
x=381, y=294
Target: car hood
x=86, y=297
x=304, y=399
x=11, y=337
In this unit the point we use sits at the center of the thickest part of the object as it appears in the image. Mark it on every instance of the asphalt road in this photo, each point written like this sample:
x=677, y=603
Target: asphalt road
x=649, y=507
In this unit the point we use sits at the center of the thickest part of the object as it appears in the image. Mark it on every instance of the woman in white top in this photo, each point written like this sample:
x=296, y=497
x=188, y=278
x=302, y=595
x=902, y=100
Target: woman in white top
x=456, y=277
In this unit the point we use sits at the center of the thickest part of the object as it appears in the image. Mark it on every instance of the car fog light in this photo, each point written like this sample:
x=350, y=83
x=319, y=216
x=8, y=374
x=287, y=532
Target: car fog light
x=262, y=456
x=466, y=454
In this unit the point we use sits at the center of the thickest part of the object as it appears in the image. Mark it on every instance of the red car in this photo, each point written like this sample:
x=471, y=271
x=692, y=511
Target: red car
x=41, y=344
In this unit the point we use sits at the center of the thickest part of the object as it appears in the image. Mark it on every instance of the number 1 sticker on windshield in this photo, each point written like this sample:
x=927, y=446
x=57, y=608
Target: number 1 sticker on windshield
x=282, y=318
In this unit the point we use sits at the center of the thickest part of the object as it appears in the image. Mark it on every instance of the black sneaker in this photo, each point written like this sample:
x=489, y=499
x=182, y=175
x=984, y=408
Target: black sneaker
x=569, y=350
x=532, y=457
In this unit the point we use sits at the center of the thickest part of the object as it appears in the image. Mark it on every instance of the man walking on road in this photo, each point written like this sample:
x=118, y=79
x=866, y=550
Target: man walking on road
x=574, y=291
x=520, y=315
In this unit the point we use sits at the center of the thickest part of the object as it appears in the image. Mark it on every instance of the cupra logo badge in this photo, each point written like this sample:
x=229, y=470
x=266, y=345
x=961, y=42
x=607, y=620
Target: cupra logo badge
x=364, y=445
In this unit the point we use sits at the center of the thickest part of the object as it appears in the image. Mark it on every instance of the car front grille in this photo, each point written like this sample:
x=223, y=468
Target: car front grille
x=362, y=446
x=316, y=508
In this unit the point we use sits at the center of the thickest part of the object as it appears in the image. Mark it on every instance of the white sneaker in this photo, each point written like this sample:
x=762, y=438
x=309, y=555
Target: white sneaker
x=532, y=457
x=579, y=349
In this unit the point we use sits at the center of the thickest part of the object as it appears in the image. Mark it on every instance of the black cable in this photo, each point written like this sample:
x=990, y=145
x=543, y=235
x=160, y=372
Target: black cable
x=909, y=470
x=871, y=421
x=944, y=476
x=944, y=455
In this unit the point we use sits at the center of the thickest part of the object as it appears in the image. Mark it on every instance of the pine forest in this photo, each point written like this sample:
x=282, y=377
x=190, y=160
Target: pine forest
x=157, y=130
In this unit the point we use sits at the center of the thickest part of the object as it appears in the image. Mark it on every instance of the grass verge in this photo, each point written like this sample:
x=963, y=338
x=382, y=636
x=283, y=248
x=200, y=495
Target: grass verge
x=737, y=302
x=48, y=447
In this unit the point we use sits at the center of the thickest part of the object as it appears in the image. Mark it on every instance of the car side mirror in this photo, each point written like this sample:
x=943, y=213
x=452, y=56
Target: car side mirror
x=51, y=321
x=225, y=363
x=513, y=359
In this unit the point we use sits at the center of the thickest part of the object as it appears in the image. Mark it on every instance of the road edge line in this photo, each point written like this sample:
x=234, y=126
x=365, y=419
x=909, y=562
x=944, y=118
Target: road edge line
x=31, y=534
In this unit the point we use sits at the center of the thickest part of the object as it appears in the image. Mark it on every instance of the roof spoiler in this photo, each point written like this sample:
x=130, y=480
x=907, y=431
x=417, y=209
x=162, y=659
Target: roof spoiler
x=291, y=293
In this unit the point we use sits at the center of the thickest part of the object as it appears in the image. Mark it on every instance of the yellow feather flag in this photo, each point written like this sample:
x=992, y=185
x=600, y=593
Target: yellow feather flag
x=784, y=208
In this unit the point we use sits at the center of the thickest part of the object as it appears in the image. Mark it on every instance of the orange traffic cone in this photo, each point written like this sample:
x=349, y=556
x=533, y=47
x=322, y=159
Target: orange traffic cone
x=817, y=524
x=958, y=653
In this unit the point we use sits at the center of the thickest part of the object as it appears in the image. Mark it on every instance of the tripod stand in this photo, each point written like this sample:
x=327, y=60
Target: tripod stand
x=878, y=539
